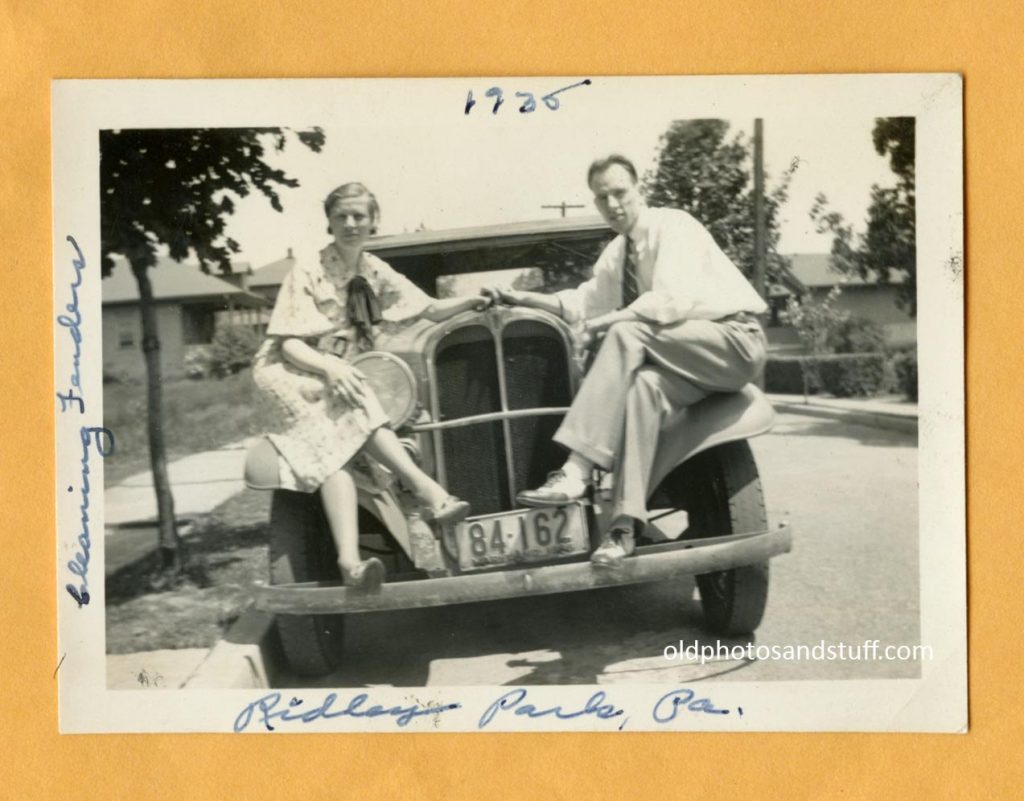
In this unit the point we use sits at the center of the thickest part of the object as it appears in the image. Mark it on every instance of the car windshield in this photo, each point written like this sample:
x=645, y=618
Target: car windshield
x=528, y=278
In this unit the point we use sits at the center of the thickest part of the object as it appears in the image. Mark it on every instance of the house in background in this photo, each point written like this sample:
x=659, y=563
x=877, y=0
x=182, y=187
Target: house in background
x=190, y=306
x=811, y=274
x=266, y=282
x=562, y=252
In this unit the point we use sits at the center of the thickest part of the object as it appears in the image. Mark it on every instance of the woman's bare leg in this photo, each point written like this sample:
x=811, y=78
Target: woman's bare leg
x=342, y=507
x=384, y=446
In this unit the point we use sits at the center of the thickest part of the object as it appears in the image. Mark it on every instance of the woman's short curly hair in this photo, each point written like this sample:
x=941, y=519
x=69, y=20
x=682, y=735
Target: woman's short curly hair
x=353, y=189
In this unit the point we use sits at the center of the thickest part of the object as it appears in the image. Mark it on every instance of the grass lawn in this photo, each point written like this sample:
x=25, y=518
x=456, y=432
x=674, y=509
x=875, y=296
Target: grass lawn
x=227, y=553
x=199, y=415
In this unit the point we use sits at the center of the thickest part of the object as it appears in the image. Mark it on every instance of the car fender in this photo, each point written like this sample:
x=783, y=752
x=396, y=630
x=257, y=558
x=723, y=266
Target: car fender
x=262, y=472
x=719, y=418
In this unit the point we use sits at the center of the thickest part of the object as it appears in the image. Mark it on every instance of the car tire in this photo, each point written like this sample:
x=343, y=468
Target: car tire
x=721, y=491
x=301, y=550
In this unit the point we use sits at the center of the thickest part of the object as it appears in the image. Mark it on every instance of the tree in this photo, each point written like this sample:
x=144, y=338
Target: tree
x=709, y=176
x=173, y=189
x=889, y=244
x=817, y=321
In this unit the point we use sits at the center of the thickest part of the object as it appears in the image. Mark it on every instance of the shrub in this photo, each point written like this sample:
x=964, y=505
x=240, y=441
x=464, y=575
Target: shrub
x=233, y=348
x=198, y=361
x=848, y=375
x=785, y=374
x=857, y=335
x=905, y=367
x=816, y=319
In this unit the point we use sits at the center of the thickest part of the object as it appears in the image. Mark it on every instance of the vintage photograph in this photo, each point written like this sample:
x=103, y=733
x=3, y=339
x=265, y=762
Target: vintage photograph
x=502, y=403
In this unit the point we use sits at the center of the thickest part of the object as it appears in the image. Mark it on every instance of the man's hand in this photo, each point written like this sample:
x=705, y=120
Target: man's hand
x=588, y=332
x=584, y=334
x=345, y=381
x=499, y=294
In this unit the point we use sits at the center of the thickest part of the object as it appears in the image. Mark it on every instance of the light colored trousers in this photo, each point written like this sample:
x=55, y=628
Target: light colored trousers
x=642, y=375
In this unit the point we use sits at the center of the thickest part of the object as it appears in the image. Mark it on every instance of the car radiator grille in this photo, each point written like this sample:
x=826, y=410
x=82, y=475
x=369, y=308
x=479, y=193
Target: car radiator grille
x=536, y=370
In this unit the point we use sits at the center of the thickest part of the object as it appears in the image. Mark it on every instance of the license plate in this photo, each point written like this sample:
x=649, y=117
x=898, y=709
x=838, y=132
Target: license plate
x=529, y=535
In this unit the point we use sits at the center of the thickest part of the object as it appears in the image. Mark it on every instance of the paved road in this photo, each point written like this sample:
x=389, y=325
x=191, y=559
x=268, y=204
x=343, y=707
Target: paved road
x=850, y=493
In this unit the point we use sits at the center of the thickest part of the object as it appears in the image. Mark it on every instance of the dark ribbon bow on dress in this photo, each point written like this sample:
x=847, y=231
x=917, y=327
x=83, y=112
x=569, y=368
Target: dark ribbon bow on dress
x=363, y=309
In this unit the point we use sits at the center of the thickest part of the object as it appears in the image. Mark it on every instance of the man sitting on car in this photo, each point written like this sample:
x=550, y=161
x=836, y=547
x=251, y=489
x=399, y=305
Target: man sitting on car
x=676, y=322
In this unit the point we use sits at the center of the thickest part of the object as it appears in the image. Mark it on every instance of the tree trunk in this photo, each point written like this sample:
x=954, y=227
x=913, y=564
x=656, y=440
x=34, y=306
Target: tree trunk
x=170, y=542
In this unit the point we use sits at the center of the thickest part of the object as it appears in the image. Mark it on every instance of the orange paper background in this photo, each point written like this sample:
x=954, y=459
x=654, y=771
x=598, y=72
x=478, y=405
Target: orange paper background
x=46, y=40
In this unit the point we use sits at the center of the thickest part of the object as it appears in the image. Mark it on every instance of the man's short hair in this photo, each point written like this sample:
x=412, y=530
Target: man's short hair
x=602, y=164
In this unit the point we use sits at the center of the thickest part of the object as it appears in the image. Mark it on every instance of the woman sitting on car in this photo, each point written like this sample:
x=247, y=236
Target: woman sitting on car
x=325, y=314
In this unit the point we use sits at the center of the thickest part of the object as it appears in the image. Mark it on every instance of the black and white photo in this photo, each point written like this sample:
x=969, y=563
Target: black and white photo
x=481, y=404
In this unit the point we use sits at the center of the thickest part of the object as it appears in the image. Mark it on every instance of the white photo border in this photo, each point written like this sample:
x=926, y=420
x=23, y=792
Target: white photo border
x=937, y=701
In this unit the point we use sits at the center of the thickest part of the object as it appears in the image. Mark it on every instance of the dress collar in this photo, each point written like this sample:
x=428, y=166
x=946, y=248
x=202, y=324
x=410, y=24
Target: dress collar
x=331, y=258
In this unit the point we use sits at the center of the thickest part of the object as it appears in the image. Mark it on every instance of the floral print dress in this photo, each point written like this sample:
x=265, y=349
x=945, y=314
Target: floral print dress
x=318, y=433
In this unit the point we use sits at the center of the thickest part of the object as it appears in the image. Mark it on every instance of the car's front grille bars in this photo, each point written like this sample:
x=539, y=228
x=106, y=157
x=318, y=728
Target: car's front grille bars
x=490, y=417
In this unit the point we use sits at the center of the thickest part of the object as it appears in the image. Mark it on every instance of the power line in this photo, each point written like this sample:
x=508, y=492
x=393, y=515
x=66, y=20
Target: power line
x=563, y=206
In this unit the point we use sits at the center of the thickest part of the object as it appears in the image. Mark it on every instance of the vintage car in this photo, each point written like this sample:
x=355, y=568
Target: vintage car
x=476, y=400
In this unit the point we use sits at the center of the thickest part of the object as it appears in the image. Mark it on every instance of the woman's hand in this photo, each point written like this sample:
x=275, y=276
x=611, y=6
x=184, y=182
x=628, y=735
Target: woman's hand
x=345, y=380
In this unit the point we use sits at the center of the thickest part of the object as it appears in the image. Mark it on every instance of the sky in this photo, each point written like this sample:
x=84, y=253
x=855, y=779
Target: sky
x=454, y=177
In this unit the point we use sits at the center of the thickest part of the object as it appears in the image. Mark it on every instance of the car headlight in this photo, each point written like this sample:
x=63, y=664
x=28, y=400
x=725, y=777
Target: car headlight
x=392, y=381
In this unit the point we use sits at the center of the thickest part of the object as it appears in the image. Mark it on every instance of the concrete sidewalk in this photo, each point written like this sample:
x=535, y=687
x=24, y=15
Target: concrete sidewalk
x=200, y=483
x=891, y=412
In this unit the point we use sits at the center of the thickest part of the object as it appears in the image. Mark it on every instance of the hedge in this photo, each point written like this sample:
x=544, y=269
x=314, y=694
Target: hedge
x=843, y=375
x=785, y=374
x=857, y=334
x=905, y=366
x=848, y=375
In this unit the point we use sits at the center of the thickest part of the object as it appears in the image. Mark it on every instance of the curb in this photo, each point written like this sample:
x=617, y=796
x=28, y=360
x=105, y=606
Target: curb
x=892, y=422
x=243, y=659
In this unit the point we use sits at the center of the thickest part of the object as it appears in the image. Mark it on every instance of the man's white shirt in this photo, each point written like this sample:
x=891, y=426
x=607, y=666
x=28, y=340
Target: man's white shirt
x=682, y=275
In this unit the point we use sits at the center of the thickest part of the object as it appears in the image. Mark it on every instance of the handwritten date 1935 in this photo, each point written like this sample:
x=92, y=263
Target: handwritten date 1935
x=528, y=100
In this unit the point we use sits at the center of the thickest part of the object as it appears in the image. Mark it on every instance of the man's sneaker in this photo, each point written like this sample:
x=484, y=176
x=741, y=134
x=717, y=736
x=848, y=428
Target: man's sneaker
x=558, y=490
x=617, y=545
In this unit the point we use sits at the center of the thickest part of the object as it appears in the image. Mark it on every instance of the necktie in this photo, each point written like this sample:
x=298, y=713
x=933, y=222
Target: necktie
x=630, y=284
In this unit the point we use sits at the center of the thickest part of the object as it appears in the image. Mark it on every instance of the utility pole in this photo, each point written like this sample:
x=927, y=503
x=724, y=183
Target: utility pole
x=759, y=232
x=563, y=206
x=760, y=241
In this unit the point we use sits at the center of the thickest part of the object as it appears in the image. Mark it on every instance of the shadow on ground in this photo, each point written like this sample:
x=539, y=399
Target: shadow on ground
x=576, y=638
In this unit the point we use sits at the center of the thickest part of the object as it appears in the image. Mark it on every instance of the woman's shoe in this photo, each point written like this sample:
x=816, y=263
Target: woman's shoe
x=617, y=545
x=367, y=576
x=451, y=510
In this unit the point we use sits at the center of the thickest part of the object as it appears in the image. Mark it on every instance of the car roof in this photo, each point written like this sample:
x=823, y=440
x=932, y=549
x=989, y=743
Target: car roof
x=486, y=236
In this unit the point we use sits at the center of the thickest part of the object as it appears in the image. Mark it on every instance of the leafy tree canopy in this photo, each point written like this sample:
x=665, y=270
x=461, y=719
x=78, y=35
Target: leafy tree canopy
x=708, y=174
x=889, y=245
x=174, y=187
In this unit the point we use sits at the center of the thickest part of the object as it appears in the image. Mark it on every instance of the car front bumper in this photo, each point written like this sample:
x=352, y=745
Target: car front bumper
x=657, y=562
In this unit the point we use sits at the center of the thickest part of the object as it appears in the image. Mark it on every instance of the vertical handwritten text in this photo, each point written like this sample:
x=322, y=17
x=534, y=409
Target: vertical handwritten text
x=72, y=321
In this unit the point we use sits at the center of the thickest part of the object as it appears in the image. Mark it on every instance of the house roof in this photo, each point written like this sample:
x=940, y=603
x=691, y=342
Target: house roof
x=815, y=270
x=272, y=274
x=173, y=280
x=240, y=268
